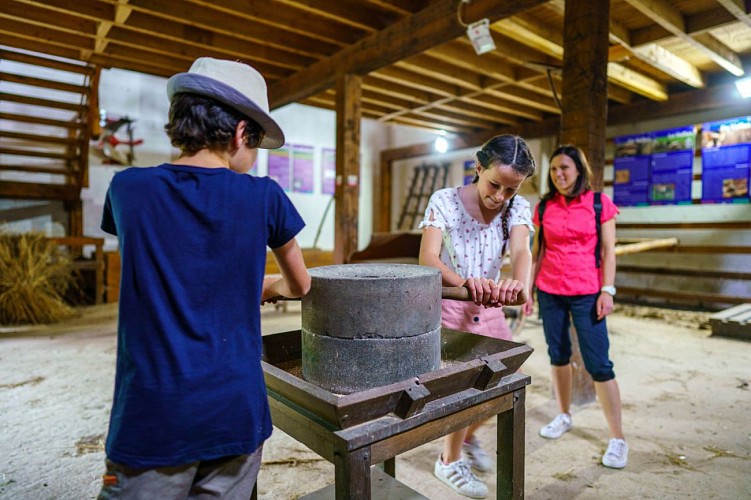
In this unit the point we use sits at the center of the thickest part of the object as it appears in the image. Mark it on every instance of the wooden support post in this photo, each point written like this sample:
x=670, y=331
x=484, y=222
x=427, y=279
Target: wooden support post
x=584, y=112
x=347, y=194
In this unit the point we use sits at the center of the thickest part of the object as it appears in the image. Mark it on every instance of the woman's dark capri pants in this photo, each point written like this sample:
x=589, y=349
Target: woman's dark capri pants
x=591, y=332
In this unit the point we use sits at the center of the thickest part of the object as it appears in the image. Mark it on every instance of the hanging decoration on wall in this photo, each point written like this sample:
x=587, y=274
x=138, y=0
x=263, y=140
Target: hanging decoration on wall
x=116, y=143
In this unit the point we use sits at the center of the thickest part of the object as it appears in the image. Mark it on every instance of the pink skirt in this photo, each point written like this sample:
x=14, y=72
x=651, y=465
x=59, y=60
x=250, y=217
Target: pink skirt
x=469, y=317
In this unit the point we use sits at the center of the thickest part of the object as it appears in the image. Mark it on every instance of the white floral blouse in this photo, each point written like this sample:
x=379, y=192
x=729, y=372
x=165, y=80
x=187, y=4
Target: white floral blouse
x=470, y=247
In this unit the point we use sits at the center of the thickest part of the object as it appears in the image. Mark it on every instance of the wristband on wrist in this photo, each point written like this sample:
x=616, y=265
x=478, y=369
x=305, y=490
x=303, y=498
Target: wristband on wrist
x=609, y=289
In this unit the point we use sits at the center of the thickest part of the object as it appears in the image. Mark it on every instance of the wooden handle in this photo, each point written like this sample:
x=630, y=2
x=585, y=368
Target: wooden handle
x=461, y=293
x=453, y=293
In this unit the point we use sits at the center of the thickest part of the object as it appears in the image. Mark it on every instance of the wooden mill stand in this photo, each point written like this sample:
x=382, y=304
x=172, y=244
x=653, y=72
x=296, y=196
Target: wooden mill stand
x=357, y=431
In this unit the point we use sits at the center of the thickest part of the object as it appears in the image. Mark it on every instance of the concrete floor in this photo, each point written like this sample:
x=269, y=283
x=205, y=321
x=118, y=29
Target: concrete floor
x=686, y=407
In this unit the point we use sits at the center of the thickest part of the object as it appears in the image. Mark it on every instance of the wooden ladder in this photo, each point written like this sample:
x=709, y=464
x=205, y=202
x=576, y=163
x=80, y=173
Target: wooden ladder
x=426, y=179
x=44, y=141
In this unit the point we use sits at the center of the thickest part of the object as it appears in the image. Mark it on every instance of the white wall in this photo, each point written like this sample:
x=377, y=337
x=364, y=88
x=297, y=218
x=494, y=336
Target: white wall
x=143, y=99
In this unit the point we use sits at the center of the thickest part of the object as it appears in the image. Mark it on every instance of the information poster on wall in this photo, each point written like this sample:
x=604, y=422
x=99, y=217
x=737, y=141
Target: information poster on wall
x=328, y=170
x=302, y=168
x=726, y=152
x=672, y=166
x=469, y=172
x=631, y=170
x=279, y=166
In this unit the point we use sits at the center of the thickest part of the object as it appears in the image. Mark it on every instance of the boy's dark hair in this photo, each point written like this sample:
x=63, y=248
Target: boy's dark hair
x=197, y=122
x=582, y=166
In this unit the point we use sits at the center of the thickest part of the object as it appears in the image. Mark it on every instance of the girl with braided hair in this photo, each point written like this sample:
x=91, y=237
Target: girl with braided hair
x=466, y=233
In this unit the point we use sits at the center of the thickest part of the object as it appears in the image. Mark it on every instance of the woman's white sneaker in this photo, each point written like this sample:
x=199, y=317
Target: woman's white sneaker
x=616, y=456
x=460, y=478
x=558, y=427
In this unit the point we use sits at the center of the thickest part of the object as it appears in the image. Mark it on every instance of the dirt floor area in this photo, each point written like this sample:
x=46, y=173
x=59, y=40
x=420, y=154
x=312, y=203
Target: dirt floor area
x=686, y=413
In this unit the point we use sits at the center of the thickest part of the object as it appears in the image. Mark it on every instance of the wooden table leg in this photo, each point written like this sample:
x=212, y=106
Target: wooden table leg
x=389, y=466
x=510, y=446
x=352, y=474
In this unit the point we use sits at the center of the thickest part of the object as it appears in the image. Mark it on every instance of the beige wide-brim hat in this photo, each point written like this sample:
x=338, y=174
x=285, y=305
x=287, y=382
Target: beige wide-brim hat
x=235, y=84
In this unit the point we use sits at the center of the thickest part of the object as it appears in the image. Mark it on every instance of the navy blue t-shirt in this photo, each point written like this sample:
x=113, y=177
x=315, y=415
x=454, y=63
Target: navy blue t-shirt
x=189, y=384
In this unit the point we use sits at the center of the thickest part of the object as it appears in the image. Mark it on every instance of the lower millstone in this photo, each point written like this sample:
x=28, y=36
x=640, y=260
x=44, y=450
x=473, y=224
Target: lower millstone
x=344, y=366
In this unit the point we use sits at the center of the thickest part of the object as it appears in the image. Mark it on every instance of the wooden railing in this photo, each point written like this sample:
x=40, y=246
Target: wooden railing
x=75, y=245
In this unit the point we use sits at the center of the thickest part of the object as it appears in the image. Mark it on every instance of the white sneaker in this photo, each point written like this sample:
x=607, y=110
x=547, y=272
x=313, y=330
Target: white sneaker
x=476, y=456
x=616, y=456
x=460, y=478
x=558, y=427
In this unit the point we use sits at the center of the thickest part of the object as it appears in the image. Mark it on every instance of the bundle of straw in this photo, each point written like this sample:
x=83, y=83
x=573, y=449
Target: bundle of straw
x=34, y=276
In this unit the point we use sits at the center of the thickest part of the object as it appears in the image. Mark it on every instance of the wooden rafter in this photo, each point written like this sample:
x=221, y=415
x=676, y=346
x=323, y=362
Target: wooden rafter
x=412, y=35
x=664, y=14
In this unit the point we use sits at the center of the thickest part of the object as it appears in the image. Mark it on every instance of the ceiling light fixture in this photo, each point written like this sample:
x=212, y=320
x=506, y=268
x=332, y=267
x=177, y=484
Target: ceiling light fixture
x=744, y=87
x=478, y=32
x=441, y=144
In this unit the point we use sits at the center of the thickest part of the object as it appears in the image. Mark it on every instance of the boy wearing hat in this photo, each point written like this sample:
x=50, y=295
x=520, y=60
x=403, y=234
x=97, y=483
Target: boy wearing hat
x=189, y=413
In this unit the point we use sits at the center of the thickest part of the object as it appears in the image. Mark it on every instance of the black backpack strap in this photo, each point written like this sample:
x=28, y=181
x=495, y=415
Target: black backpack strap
x=598, y=224
x=540, y=211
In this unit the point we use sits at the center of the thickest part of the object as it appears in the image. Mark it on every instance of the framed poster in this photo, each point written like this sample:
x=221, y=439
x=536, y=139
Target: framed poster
x=632, y=170
x=672, y=166
x=302, y=168
x=726, y=153
x=279, y=166
x=469, y=172
x=328, y=170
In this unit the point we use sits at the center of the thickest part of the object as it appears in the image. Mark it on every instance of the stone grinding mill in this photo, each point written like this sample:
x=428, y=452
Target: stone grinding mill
x=371, y=375
x=368, y=325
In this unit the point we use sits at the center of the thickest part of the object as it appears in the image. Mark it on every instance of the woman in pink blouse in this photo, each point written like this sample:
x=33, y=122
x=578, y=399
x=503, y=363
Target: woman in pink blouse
x=573, y=285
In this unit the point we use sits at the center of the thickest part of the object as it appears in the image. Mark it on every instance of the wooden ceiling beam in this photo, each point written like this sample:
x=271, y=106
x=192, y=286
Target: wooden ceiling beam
x=670, y=64
x=716, y=97
x=414, y=34
x=284, y=18
x=41, y=47
x=548, y=41
x=356, y=13
x=180, y=34
x=737, y=8
x=667, y=16
x=41, y=16
x=205, y=24
x=47, y=34
x=418, y=81
x=442, y=71
x=655, y=55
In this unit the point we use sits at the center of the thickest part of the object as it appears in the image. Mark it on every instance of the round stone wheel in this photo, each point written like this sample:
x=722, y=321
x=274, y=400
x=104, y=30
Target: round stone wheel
x=368, y=325
x=362, y=301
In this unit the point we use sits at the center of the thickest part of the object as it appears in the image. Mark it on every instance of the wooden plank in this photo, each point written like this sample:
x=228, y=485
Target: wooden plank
x=43, y=83
x=734, y=322
x=47, y=103
x=347, y=194
x=34, y=191
x=37, y=154
x=39, y=138
x=714, y=225
x=683, y=272
x=37, y=169
x=645, y=246
x=677, y=296
x=10, y=55
x=732, y=313
x=40, y=120
x=426, y=29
